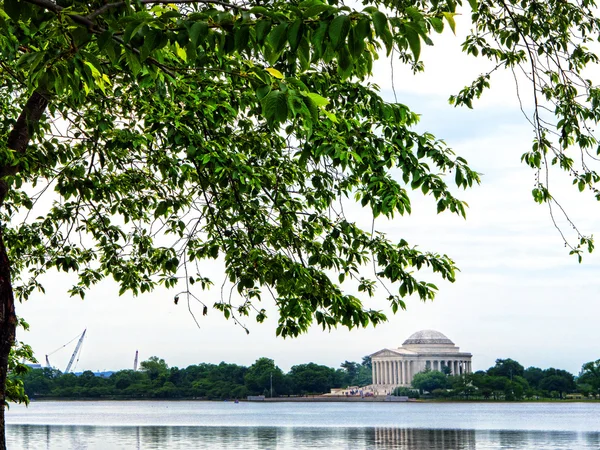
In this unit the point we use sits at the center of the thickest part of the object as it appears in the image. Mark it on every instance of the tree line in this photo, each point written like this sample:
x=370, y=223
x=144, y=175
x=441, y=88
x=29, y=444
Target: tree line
x=207, y=381
x=507, y=380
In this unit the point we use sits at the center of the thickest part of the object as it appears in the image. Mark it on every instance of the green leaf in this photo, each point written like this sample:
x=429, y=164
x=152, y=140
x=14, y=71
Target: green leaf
x=316, y=10
x=450, y=18
x=151, y=39
x=259, y=10
x=278, y=37
x=275, y=107
x=242, y=38
x=198, y=30
x=180, y=51
x=338, y=30
x=295, y=34
x=414, y=41
x=437, y=24
x=275, y=73
x=263, y=91
x=356, y=43
x=262, y=29
x=344, y=62
x=380, y=23
x=317, y=99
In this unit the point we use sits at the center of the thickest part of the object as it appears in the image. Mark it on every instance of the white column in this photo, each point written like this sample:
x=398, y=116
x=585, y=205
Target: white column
x=401, y=372
x=375, y=372
x=372, y=372
x=379, y=373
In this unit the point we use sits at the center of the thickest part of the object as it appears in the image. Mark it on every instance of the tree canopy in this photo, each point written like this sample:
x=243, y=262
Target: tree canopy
x=164, y=134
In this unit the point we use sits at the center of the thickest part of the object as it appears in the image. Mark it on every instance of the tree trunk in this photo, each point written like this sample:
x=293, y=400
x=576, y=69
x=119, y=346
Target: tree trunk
x=18, y=139
x=8, y=322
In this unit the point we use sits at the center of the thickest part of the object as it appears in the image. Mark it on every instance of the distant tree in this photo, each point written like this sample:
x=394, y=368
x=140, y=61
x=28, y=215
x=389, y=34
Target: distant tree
x=430, y=380
x=515, y=389
x=462, y=385
x=259, y=375
x=39, y=382
x=367, y=362
x=508, y=368
x=534, y=376
x=585, y=389
x=402, y=391
x=446, y=370
x=364, y=376
x=558, y=380
x=313, y=378
x=351, y=369
x=154, y=367
x=590, y=375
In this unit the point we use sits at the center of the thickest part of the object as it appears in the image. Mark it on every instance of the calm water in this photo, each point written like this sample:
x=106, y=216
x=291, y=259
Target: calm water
x=204, y=425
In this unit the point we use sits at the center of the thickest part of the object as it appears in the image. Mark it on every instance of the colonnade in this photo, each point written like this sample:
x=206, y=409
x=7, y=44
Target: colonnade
x=399, y=372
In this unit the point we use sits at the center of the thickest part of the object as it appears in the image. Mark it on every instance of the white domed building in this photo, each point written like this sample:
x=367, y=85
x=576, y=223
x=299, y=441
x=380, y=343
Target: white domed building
x=426, y=349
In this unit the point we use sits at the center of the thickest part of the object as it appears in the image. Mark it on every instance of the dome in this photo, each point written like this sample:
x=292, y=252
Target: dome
x=427, y=337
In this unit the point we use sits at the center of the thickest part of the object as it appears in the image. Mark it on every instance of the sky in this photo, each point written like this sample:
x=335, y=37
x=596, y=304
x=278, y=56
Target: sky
x=519, y=294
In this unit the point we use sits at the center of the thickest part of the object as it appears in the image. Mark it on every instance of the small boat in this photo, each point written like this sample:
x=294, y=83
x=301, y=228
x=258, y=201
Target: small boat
x=236, y=401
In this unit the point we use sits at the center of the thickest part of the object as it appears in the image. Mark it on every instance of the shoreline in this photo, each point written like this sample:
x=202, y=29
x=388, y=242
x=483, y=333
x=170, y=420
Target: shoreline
x=315, y=399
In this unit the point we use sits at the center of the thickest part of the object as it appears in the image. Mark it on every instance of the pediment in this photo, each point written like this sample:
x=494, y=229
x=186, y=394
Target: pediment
x=385, y=353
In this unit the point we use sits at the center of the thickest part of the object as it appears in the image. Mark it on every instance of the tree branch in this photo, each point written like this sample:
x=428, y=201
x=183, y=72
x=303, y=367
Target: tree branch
x=109, y=6
x=91, y=26
x=19, y=137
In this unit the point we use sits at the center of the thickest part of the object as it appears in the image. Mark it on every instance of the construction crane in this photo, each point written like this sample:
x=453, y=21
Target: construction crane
x=75, y=352
x=77, y=348
x=135, y=361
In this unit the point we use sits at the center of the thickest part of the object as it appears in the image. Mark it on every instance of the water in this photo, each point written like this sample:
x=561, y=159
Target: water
x=226, y=425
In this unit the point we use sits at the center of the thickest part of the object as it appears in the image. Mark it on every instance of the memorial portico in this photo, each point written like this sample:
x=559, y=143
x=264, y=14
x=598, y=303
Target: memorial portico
x=427, y=349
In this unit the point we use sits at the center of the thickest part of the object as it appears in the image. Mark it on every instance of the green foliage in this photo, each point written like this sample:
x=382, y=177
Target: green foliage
x=406, y=392
x=313, y=378
x=430, y=380
x=356, y=374
x=506, y=368
x=206, y=131
x=206, y=381
x=20, y=354
x=590, y=376
x=155, y=367
x=260, y=375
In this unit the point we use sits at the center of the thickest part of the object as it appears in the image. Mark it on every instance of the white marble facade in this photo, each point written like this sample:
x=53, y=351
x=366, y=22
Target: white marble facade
x=423, y=349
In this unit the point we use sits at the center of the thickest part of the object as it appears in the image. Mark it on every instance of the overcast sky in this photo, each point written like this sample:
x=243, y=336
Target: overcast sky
x=519, y=294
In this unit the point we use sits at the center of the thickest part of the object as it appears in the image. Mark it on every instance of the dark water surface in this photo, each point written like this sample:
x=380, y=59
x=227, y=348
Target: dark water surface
x=225, y=425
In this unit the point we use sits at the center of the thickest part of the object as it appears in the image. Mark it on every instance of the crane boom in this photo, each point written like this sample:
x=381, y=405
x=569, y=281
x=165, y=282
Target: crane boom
x=135, y=361
x=75, y=352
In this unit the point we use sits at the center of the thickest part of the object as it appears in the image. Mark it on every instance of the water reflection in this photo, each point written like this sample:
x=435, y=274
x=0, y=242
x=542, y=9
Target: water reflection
x=33, y=437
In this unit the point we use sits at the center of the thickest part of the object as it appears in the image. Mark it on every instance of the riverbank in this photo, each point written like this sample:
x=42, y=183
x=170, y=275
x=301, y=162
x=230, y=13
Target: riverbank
x=316, y=399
